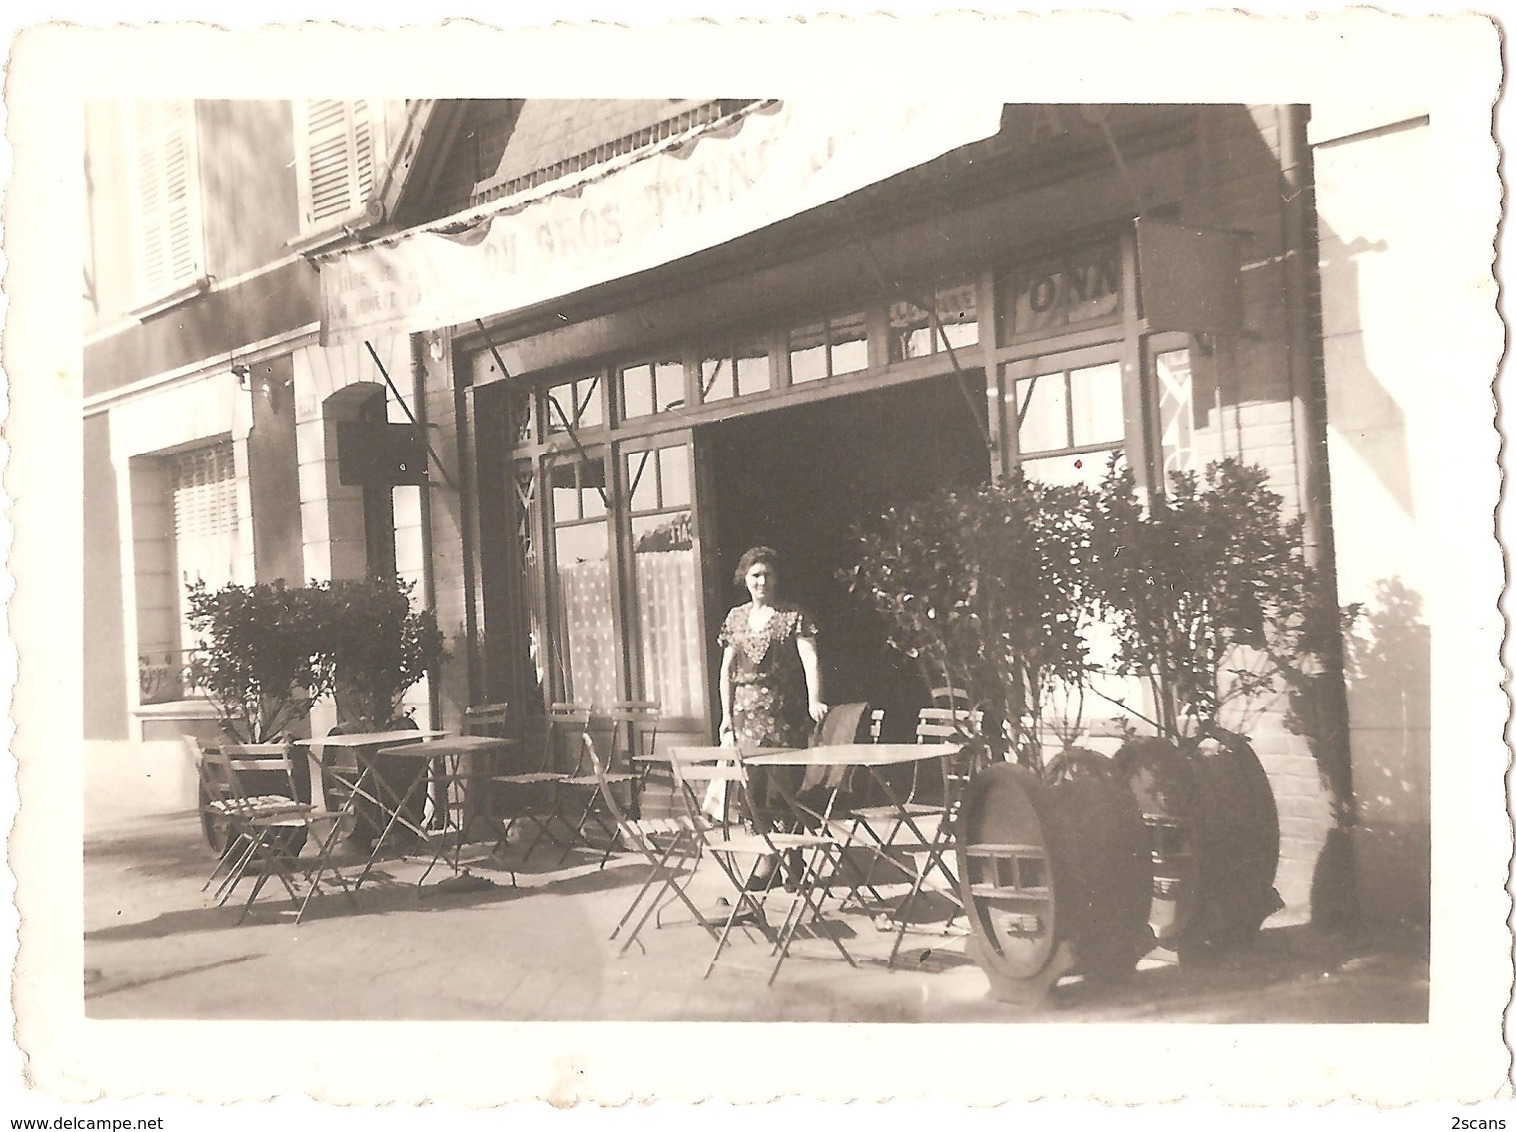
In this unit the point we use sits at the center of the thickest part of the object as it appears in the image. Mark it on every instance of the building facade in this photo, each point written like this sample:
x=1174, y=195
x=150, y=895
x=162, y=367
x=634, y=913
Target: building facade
x=640, y=336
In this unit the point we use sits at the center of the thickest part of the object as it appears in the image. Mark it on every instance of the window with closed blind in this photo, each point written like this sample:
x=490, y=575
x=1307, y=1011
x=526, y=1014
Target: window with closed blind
x=339, y=150
x=204, y=486
x=168, y=234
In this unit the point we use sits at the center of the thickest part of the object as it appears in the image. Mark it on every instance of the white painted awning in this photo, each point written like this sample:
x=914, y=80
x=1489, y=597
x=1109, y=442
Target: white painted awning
x=694, y=191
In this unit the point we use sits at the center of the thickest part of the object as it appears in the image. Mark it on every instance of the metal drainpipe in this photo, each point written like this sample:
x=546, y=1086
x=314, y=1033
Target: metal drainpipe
x=462, y=435
x=1308, y=396
x=428, y=575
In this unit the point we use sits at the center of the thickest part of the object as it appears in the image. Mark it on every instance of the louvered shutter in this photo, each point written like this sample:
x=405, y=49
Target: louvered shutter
x=341, y=152
x=169, y=241
x=205, y=521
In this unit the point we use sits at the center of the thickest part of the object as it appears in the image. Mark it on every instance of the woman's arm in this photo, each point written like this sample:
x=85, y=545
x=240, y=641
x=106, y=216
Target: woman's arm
x=728, y=656
x=811, y=662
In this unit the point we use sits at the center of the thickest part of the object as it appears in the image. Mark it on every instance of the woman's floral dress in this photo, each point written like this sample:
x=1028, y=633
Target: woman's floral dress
x=770, y=703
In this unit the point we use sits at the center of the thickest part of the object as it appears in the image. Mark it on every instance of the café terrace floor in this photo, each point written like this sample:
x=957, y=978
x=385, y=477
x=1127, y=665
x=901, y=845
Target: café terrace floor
x=156, y=948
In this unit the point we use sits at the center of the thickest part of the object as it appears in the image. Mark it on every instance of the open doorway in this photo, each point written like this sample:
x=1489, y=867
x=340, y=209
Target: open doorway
x=797, y=479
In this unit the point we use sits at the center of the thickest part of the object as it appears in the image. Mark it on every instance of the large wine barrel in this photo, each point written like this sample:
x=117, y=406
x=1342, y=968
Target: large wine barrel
x=1055, y=878
x=1213, y=831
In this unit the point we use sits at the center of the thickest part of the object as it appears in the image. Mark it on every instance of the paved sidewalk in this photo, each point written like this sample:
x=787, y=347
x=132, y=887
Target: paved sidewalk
x=156, y=948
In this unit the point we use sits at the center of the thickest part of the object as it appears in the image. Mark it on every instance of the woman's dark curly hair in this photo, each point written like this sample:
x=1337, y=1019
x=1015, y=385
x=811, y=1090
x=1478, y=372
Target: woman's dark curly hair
x=752, y=557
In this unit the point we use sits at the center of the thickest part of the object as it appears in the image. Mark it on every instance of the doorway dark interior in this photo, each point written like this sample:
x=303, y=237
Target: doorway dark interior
x=797, y=479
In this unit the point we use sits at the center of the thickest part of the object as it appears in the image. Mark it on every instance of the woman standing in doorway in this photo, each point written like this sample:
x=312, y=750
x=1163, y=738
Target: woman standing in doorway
x=770, y=672
x=770, y=675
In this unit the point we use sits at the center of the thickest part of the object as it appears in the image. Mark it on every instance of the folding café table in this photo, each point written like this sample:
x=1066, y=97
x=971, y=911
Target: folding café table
x=875, y=758
x=371, y=785
x=457, y=784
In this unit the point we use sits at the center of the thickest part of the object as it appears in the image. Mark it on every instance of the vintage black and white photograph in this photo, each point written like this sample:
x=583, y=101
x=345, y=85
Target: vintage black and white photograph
x=906, y=554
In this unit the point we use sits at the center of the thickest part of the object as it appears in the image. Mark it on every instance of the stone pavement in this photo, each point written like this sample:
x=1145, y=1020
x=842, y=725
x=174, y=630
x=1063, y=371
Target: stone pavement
x=156, y=948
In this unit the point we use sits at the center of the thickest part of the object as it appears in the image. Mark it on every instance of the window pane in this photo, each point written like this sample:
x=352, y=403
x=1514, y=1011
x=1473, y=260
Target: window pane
x=667, y=600
x=668, y=386
x=958, y=313
x=1097, y=404
x=1082, y=286
x=675, y=463
x=642, y=480
x=637, y=390
x=565, y=493
x=587, y=632
x=1042, y=409
x=1086, y=468
x=808, y=353
x=587, y=399
x=754, y=372
x=910, y=331
x=1176, y=411
x=850, y=346
x=591, y=502
x=716, y=379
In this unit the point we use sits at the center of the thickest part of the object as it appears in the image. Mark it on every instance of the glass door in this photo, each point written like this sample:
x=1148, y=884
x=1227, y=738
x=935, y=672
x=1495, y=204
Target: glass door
x=666, y=643
x=582, y=597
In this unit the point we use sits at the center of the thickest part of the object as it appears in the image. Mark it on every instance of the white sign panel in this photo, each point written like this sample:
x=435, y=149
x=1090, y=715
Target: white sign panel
x=776, y=161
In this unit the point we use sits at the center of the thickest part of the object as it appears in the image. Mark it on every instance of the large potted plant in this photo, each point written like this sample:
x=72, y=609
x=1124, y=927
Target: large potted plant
x=1208, y=592
x=989, y=590
x=262, y=664
x=379, y=646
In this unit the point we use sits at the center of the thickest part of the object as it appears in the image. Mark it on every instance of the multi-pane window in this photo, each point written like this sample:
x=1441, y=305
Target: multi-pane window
x=1068, y=421
x=169, y=243
x=339, y=150
x=653, y=387
x=203, y=482
x=746, y=368
x=825, y=349
x=585, y=637
x=666, y=588
x=576, y=403
x=912, y=333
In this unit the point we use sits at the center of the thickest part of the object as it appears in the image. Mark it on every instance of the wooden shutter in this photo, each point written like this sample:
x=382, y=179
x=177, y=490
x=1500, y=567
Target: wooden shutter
x=169, y=248
x=341, y=151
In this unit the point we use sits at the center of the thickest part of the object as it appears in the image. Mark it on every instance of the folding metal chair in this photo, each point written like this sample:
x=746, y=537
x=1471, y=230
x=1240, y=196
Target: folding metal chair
x=942, y=725
x=225, y=807
x=272, y=828
x=533, y=795
x=477, y=772
x=633, y=725
x=667, y=844
x=738, y=853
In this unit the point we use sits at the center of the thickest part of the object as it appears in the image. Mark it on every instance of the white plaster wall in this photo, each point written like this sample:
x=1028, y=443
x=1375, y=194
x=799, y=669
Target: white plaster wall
x=1379, y=266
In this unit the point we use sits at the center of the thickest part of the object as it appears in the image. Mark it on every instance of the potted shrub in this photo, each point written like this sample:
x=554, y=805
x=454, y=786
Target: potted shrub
x=989, y=591
x=1209, y=596
x=379, y=647
x=262, y=665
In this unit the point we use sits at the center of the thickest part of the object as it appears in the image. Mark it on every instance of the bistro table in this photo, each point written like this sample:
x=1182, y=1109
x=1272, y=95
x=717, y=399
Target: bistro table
x=457, y=784
x=875, y=758
x=370, y=784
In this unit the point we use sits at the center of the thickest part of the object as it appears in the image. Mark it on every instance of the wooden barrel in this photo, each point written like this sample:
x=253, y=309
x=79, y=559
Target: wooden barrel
x=1213, y=833
x=1055, y=878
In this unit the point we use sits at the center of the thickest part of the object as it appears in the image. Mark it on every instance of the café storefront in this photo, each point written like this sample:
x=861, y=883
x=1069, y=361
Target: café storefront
x=776, y=328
